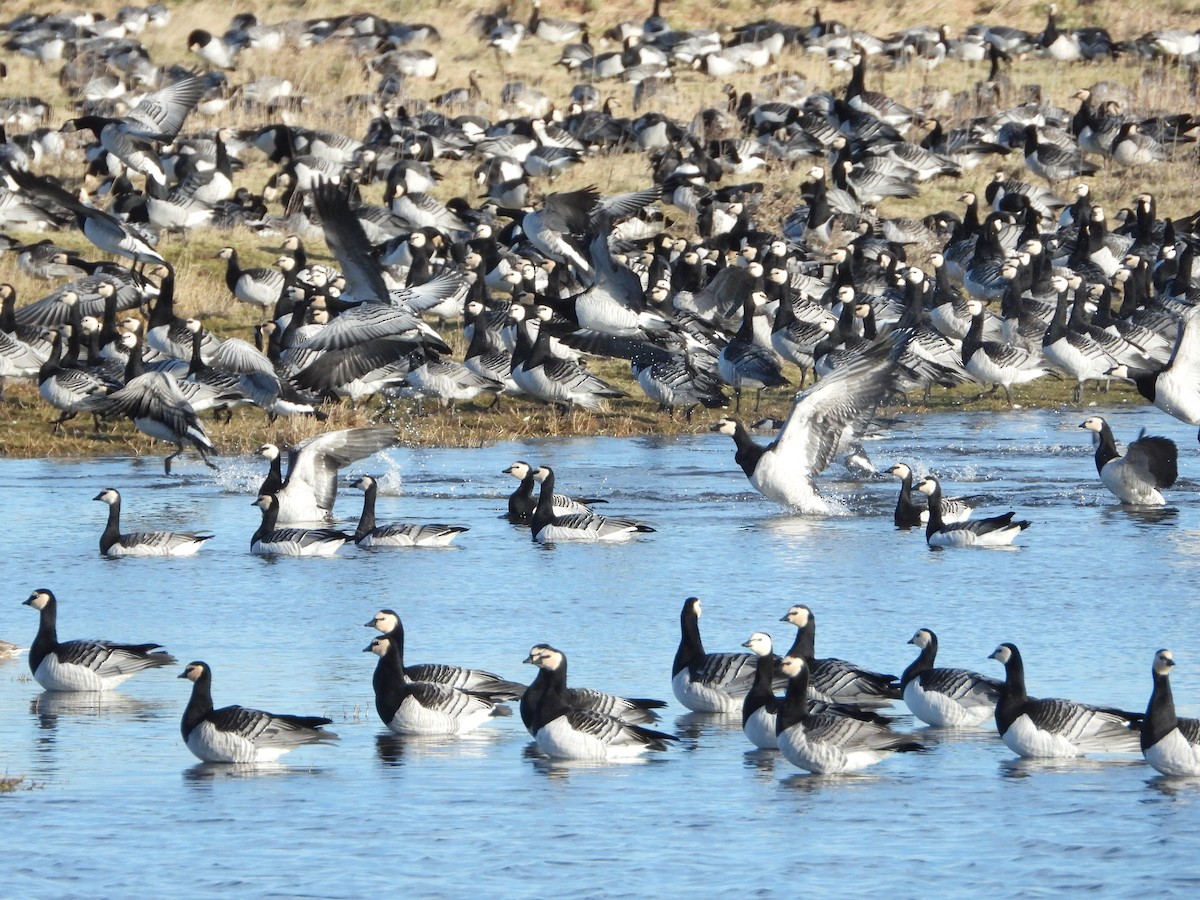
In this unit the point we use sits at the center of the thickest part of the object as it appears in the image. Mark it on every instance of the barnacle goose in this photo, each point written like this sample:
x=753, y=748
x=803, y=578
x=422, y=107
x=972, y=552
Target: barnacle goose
x=708, y=682
x=1149, y=463
x=270, y=540
x=911, y=514
x=83, y=665
x=760, y=704
x=1171, y=744
x=835, y=680
x=996, y=531
x=564, y=730
x=1057, y=728
x=422, y=707
x=821, y=417
x=1175, y=388
x=521, y=502
x=996, y=363
x=549, y=526
x=388, y=622
x=309, y=491
x=143, y=543
x=946, y=697
x=824, y=743
x=396, y=534
x=636, y=711
x=235, y=734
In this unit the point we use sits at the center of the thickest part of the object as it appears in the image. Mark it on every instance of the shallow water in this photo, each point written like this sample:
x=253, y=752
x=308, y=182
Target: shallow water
x=119, y=803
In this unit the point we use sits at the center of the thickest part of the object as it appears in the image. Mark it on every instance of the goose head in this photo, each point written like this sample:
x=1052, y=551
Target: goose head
x=385, y=620
x=1003, y=653
x=519, y=469
x=39, y=599
x=109, y=496
x=1163, y=662
x=901, y=470
x=725, y=426
x=758, y=643
x=194, y=671
x=1092, y=423
x=799, y=615
x=379, y=646
x=928, y=485
x=791, y=666
x=923, y=638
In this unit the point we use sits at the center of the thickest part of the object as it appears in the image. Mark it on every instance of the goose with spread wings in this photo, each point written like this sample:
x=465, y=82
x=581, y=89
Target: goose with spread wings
x=838, y=406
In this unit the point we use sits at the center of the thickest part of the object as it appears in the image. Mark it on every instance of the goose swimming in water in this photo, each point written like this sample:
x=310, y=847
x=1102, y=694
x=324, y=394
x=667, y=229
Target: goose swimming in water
x=235, y=734
x=396, y=534
x=1171, y=744
x=946, y=697
x=564, y=730
x=708, y=682
x=835, y=680
x=548, y=526
x=271, y=540
x=1057, y=728
x=521, y=502
x=997, y=531
x=636, y=711
x=1149, y=464
x=822, y=417
x=143, y=543
x=83, y=665
x=911, y=514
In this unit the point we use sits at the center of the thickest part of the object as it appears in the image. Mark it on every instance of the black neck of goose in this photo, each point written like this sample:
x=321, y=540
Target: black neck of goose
x=974, y=337
x=1106, y=450
x=794, y=706
x=857, y=77
x=805, y=643
x=274, y=480
x=224, y=166
x=1012, y=694
x=366, y=522
x=233, y=271
x=200, y=704
x=270, y=515
x=923, y=662
x=691, y=647
x=1160, y=713
x=543, y=513
x=8, y=313
x=47, y=635
x=520, y=502
x=135, y=366
x=935, y=522
x=163, y=311
x=942, y=292
x=748, y=452
x=108, y=324
x=53, y=362
x=905, y=501
x=760, y=691
x=554, y=702
x=539, y=352
x=389, y=681
x=785, y=312
x=914, y=311
x=1058, y=325
x=745, y=331
x=196, y=366
x=870, y=332
x=112, y=528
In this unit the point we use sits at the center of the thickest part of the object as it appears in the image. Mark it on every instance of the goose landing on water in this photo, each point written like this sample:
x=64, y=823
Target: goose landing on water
x=1149, y=463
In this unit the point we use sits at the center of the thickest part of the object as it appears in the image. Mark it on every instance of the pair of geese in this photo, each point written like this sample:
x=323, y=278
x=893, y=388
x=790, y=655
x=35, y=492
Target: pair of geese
x=827, y=721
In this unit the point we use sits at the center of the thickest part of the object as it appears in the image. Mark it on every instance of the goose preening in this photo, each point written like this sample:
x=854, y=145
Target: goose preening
x=271, y=540
x=822, y=417
x=1170, y=743
x=1057, y=728
x=549, y=526
x=83, y=665
x=422, y=708
x=143, y=543
x=522, y=502
x=995, y=531
x=708, y=682
x=636, y=711
x=388, y=622
x=835, y=680
x=828, y=744
x=236, y=734
x=308, y=492
x=910, y=513
x=396, y=534
x=565, y=730
x=944, y=697
x=1149, y=464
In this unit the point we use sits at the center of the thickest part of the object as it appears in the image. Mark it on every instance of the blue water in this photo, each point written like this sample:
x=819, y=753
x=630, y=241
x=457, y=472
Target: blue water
x=112, y=800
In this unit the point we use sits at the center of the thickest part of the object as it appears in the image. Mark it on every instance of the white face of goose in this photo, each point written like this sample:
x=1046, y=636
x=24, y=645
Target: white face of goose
x=937, y=260
x=974, y=307
x=268, y=451
x=89, y=324
x=193, y=671
x=791, y=666
x=758, y=298
x=927, y=485
x=758, y=643
x=1093, y=423
x=516, y=313
x=379, y=646
x=779, y=276
x=541, y=473
x=128, y=340
x=725, y=426
x=1001, y=654
x=363, y=482
x=109, y=496
x=845, y=294
x=385, y=621
x=549, y=658
x=862, y=310
x=1163, y=662
x=192, y=325
x=39, y=600
x=915, y=275
x=543, y=313
x=900, y=470
x=921, y=638
x=262, y=501
x=798, y=615
x=225, y=253
x=518, y=469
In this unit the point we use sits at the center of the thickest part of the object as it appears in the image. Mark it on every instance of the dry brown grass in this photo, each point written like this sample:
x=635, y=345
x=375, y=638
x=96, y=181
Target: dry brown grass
x=327, y=75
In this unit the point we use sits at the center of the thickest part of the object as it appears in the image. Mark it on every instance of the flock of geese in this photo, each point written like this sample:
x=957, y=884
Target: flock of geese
x=543, y=280
x=832, y=717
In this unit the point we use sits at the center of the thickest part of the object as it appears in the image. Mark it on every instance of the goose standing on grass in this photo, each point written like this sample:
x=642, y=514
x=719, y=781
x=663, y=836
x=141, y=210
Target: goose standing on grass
x=1057, y=728
x=84, y=665
x=946, y=698
x=760, y=705
x=549, y=526
x=635, y=711
x=235, y=734
x=521, y=502
x=143, y=543
x=421, y=707
x=1149, y=463
x=388, y=622
x=397, y=534
x=996, y=531
x=310, y=489
x=708, y=682
x=270, y=540
x=564, y=730
x=822, y=417
x=834, y=680
x=1170, y=744
x=828, y=744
